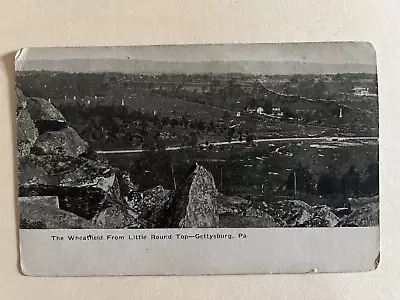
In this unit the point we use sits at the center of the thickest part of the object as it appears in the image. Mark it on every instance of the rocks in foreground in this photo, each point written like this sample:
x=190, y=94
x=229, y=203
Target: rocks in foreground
x=193, y=204
x=297, y=213
x=366, y=215
x=43, y=213
x=238, y=221
x=83, y=186
x=45, y=115
x=117, y=216
x=65, y=142
x=322, y=217
x=288, y=213
x=27, y=132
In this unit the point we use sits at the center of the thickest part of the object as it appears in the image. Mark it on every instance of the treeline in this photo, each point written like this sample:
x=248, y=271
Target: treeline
x=117, y=126
x=331, y=184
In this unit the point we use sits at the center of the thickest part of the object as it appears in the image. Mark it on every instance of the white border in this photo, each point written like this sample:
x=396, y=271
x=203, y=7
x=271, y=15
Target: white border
x=272, y=250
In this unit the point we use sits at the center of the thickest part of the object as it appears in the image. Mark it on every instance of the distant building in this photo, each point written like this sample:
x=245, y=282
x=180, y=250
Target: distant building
x=260, y=110
x=276, y=110
x=361, y=91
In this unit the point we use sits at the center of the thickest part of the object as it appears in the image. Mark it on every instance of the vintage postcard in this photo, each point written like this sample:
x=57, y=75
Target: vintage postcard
x=198, y=159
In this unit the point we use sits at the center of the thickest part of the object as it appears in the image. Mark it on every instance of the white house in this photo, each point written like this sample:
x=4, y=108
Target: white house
x=276, y=110
x=361, y=91
x=260, y=110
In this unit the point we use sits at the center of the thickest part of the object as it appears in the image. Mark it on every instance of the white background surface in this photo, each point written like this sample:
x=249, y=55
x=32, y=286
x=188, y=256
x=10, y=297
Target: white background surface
x=80, y=23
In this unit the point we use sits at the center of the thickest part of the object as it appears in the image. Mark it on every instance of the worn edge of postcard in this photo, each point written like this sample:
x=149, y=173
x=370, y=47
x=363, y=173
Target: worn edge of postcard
x=183, y=251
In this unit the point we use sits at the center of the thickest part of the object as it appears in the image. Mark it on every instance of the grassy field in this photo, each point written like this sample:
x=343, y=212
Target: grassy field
x=252, y=171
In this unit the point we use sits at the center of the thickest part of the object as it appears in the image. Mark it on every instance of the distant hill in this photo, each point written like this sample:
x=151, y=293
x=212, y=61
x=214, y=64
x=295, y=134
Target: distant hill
x=216, y=67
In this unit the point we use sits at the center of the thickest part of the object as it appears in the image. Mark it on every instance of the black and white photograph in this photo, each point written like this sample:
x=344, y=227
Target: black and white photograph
x=198, y=136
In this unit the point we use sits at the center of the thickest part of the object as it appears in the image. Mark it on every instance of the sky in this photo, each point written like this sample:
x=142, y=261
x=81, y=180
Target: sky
x=332, y=53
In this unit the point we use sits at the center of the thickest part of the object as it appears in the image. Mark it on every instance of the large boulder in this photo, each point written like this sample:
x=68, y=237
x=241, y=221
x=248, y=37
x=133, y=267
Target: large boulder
x=149, y=203
x=363, y=216
x=232, y=204
x=45, y=115
x=117, y=217
x=83, y=186
x=322, y=217
x=289, y=213
x=193, y=204
x=21, y=99
x=26, y=129
x=238, y=221
x=126, y=185
x=64, y=142
x=43, y=213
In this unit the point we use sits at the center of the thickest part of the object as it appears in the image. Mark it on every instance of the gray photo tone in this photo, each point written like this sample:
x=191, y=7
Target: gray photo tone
x=198, y=136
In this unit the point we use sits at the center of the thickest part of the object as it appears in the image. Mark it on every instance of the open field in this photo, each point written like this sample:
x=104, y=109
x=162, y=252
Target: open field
x=252, y=132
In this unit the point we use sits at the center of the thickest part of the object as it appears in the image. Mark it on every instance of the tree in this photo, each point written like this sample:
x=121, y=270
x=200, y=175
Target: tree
x=320, y=89
x=174, y=122
x=185, y=122
x=193, y=139
x=211, y=125
x=370, y=186
x=287, y=112
x=165, y=121
x=329, y=183
x=302, y=179
x=351, y=182
x=267, y=107
x=231, y=132
x=249, y=138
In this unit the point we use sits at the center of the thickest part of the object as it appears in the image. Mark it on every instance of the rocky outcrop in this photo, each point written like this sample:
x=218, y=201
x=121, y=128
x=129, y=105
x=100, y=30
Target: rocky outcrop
x=82, y=185
x=43, y=213
x=117, y=217
x=289, y=213
x=50, y=164
x=45, y=115
x=26, y=130
x=126, y=185
x=296, y=213
x=236, y=212
x=149, y=203
x=232, y=205
x=65, y=142
x=238, y=221
x=193, y=204
x=363, y=216
x=322, y=217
